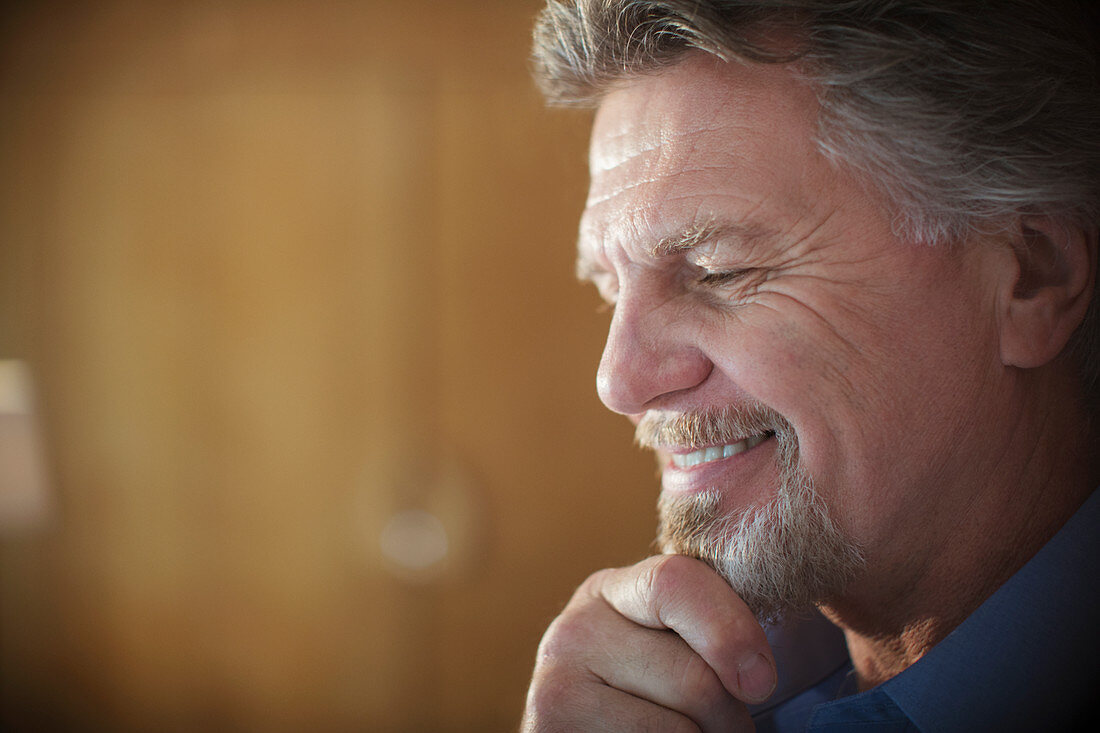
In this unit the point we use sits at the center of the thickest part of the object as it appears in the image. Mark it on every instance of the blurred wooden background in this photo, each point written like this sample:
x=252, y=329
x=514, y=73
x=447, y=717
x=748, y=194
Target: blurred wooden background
x=315, y=384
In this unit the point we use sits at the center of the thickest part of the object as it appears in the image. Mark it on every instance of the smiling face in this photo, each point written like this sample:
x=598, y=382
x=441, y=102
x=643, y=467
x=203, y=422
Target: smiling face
x=750, y=275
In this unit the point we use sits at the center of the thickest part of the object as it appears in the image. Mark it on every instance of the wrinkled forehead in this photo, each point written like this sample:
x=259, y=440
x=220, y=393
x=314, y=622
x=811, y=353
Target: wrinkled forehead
x=656, y=118
x=684, y=142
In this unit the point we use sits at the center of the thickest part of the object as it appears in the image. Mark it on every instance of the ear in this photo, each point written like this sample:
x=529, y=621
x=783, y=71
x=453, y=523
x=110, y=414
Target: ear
x=1054, y=282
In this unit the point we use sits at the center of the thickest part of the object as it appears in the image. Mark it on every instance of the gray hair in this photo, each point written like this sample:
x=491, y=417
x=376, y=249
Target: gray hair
x=966, y=115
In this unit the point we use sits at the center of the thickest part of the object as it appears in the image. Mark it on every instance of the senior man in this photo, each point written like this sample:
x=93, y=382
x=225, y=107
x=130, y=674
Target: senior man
x=850, y=248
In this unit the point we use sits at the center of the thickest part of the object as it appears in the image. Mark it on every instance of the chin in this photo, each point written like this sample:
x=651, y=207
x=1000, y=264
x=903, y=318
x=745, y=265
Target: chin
x=781, y=554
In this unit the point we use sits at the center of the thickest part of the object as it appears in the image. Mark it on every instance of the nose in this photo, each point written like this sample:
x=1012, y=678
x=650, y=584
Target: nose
x=650, y=356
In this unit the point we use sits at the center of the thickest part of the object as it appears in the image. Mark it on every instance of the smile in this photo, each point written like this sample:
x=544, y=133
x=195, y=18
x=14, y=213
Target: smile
x=717, y=452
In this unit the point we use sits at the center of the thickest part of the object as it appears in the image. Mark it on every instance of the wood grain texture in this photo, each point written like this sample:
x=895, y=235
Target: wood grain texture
x=282, y=269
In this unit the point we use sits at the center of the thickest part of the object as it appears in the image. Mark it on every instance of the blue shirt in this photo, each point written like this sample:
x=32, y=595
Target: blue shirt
x=1028, y=659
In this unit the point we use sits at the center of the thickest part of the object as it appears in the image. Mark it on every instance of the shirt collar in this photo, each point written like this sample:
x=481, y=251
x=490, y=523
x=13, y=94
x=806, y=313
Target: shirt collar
x=1026, y=659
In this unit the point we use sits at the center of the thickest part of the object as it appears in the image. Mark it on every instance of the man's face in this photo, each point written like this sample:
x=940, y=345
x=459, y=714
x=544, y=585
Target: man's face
x=750, y=275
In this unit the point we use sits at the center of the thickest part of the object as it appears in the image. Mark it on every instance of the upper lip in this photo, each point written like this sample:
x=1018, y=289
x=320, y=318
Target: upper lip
x=692, y=448
x=692, y=430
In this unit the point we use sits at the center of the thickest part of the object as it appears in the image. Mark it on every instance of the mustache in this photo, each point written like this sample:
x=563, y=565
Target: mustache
x=707, y=427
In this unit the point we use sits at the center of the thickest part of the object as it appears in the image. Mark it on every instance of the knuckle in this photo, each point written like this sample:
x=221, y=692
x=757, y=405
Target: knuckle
x=564, y=639
x=591, y=585
x=559, y=683
x=547, y=699
x=653, y=577
x=561, y=699
x=664, y=576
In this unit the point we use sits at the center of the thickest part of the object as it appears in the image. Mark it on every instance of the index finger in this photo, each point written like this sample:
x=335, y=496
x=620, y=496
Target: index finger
x=686, y=596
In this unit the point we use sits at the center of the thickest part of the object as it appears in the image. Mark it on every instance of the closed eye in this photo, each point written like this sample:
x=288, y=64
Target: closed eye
x=723, y=278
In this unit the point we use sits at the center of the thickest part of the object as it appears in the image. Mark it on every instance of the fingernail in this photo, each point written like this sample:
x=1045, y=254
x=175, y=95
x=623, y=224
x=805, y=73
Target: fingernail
x=756, y=676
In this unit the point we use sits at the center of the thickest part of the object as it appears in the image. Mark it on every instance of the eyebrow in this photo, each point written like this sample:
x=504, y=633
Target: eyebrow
x=688, y=239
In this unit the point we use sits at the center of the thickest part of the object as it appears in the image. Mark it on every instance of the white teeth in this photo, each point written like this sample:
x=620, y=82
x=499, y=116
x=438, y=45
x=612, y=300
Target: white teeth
x=716, y=452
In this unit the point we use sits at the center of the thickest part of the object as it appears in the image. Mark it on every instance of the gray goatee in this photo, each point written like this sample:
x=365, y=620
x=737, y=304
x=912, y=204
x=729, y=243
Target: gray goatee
x=785, y=556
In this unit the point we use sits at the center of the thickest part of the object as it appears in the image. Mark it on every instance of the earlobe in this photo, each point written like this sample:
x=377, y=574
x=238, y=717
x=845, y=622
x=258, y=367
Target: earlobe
x=1056, y=271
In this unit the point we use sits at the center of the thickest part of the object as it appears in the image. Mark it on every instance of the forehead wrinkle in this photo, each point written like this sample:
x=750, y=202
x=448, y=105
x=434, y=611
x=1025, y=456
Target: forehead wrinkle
x=615, y=151
x=600, y=192
x=634, y=184
x=630, y=138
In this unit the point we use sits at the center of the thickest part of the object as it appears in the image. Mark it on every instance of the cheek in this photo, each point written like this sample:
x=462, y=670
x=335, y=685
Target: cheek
x=791, y=367
x=874, y=395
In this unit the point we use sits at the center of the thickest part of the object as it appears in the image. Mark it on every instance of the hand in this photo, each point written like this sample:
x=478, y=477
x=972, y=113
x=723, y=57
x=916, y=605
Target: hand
x=664, y=645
